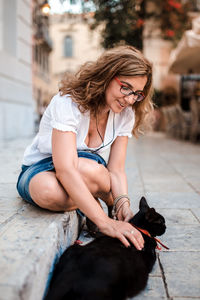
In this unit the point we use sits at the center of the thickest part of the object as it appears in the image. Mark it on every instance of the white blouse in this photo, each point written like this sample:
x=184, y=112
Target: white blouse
x=63, y=114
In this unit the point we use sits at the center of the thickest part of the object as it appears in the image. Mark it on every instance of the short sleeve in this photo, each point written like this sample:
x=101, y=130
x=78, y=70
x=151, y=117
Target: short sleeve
x=65, y=115
x=127, y=123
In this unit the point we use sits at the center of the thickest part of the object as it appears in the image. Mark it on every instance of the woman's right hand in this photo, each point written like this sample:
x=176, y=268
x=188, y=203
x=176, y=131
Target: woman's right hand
x=124, y=231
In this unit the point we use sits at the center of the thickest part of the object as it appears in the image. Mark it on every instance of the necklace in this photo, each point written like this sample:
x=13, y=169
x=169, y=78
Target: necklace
x=99, y=131
x=94, y=151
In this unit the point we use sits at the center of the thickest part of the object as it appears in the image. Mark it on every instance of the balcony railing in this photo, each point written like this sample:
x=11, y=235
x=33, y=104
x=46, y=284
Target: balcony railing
x=42, y=36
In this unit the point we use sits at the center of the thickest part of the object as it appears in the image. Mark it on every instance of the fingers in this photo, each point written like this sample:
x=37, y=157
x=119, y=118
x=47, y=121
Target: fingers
x=135, y=238
x=138, y=241
x=128, y=217
x=122, y=238
x=133, y=235
x=125, y=214
x=124, y=231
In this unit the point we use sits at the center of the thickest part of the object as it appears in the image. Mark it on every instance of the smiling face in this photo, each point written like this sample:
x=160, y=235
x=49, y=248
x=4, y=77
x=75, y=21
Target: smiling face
x=115, y=100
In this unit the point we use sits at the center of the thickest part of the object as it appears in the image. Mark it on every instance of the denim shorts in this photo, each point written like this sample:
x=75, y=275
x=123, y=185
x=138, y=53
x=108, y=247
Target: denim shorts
x=45, y=164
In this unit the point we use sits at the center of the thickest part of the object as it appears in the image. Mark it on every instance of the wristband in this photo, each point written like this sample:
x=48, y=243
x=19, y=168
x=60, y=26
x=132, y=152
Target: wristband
x=116, y=200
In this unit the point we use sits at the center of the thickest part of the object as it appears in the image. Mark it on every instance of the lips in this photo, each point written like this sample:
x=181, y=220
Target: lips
x=121, y=104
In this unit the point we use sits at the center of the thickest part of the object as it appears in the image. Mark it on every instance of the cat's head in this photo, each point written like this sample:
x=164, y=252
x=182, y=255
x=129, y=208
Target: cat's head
x=147, y=218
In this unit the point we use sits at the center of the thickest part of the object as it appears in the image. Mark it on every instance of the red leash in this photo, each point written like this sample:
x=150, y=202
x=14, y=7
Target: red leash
x=78, y=242
x=155, y=239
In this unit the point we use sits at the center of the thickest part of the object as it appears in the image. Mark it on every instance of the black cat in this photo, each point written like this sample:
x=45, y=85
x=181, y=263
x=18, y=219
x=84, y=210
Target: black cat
x=105, y=269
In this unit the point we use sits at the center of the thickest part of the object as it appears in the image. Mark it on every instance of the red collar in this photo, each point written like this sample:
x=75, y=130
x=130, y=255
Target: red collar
x=155, y=239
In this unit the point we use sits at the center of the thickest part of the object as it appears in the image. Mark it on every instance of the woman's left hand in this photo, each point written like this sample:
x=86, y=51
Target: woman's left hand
x=125, y=213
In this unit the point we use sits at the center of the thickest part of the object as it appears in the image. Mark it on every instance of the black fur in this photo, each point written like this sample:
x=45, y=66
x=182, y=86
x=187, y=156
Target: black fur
x=105, y=269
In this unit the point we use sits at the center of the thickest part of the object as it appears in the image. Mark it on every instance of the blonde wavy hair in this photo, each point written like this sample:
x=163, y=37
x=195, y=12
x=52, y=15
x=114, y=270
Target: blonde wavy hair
x=87, y=87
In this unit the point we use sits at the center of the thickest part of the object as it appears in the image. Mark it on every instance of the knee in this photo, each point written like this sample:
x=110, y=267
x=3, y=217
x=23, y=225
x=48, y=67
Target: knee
x=50, y=197
x=88, y=169
x=95, y=175
x=48, y=192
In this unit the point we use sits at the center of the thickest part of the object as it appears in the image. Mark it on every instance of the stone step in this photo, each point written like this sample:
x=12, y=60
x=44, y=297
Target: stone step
x=31, y=241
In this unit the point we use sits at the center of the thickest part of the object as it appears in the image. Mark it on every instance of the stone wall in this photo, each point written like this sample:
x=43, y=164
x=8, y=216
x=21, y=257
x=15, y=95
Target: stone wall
x=16, y=105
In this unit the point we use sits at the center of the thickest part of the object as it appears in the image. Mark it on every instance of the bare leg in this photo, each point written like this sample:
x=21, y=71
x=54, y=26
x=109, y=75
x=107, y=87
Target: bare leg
x=48, y=193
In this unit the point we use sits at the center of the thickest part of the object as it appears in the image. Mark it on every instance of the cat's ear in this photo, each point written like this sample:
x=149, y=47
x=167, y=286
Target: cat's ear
x=144, y=207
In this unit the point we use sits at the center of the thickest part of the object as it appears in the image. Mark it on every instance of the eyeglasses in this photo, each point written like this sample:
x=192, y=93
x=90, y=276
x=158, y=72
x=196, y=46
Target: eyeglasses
x=127, y=91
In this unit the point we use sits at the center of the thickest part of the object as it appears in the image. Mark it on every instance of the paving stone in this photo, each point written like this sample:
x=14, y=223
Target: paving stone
x=156, y=272
x=196, y=213
x=182, y=271
x=135, y=184
x=168, y=185
x=172, y=186
x=183, y=237
x=32, y=239
x=6, y=215
x=195, y=184
x=135, y=198
x=8, y=190
x=175, y=216
x=134, y=179
x=9, y=177
x=154, y=290
x=174, y=200
x=11, y=204
x=185, y=298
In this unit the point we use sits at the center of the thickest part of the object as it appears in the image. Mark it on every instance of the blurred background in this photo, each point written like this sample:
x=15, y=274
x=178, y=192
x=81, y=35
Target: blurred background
x=41, y=40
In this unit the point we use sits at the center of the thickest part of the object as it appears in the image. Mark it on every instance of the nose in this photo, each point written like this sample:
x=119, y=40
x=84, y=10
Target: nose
x=130, y=99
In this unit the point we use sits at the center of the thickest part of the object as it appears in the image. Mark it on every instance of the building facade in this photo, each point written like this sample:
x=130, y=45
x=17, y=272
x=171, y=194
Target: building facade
x=42, y=47
x=158, y=51
x=74, y=44
x=16, y=105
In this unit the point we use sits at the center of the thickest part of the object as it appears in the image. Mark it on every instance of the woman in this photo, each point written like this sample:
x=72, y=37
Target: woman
x=79, y=152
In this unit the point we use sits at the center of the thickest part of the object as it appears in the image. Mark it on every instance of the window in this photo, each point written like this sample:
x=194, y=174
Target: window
x=68, y=47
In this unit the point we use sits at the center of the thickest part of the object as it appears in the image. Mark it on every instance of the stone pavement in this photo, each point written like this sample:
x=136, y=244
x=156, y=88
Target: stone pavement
x=166, y=171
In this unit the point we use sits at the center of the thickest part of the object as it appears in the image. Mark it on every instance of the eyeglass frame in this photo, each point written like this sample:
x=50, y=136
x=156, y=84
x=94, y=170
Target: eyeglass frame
x=140, y=93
